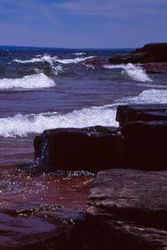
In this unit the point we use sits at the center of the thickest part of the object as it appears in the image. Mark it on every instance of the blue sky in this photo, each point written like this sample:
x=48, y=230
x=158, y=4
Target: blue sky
x=83, y=23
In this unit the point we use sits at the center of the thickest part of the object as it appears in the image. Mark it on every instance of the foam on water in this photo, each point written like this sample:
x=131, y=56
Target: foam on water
x=54, y=59
x=57, y=70
x=44, y=58
x=134, y=72
x=79, y=53
x=155, y=86
x=74, y=60
x=22, y=125
x=35, y=81
x=149, y=96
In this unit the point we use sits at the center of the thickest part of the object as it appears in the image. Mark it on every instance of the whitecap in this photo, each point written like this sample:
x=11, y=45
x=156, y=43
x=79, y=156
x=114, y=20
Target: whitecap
x=74, y=60
x=134, y=72
x=35, y=81
x=22, y=125
x=79, y=53
x=57, y=70
x=149, y=96
x=54, y=59
x=154, y=86
x=44, y=58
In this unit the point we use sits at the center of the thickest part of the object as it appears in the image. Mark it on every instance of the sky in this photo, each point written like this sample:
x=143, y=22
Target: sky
x=83, y=23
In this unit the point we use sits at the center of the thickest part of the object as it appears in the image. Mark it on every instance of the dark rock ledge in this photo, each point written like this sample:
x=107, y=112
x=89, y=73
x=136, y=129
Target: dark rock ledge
x=139, y=143
x=92, y=149
x=127, y=206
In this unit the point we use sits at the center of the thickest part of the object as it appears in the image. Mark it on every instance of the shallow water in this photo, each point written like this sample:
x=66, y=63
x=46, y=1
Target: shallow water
x=26, y=203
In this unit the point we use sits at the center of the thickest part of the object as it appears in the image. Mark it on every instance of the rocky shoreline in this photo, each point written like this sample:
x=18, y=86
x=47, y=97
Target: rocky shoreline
x=152, y=58
x=127, y=207
x=123, y=206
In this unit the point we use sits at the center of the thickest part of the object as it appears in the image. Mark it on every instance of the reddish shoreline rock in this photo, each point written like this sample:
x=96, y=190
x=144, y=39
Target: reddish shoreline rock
x=155, y=67
x=150, y=53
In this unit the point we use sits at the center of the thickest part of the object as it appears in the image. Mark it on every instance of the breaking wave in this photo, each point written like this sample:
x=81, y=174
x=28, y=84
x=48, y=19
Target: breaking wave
x=134, y=72
x=44, y=58
x=54, y=59
x=75, y=60
x=149, y=96
x=35, y=81
x=79, y=53
x=22, y=125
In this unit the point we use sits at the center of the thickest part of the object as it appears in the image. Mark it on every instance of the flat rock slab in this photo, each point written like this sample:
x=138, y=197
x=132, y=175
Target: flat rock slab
x=131, y=206
x=130, y=189
x=141, y=112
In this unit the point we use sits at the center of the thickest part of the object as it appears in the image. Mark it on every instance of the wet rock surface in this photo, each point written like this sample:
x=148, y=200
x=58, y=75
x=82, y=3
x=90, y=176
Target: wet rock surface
x=38, y=227
x=131, y=207
x=92, y=149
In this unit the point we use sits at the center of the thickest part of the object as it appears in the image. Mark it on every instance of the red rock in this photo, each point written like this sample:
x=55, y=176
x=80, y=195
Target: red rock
x=95, y=62
x=150, y=53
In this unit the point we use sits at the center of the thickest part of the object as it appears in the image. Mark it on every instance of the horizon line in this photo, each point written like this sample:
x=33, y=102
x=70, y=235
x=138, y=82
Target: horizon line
x=72, y=48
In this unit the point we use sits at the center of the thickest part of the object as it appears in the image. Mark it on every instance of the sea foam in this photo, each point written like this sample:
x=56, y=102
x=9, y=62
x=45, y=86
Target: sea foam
x=44, y=58
x=74, y=60
x=35, y=81
x=80, y=53
x=54, y=59
x=22, y=125
x=134, y=72
x=149, y=96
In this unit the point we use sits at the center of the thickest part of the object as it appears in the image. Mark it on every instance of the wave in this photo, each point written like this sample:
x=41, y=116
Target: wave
x=75, y=60
x=134, y=72
x=22, y=125
x=35, y=81
x=54, y=59
x=44, y=58
x=149, y=96
x=79, y=53
x=153, y=86
x=57, y=70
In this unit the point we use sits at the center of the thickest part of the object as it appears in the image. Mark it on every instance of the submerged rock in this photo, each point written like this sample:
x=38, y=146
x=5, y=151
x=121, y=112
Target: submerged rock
x=92, y=149
x=41, y=227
